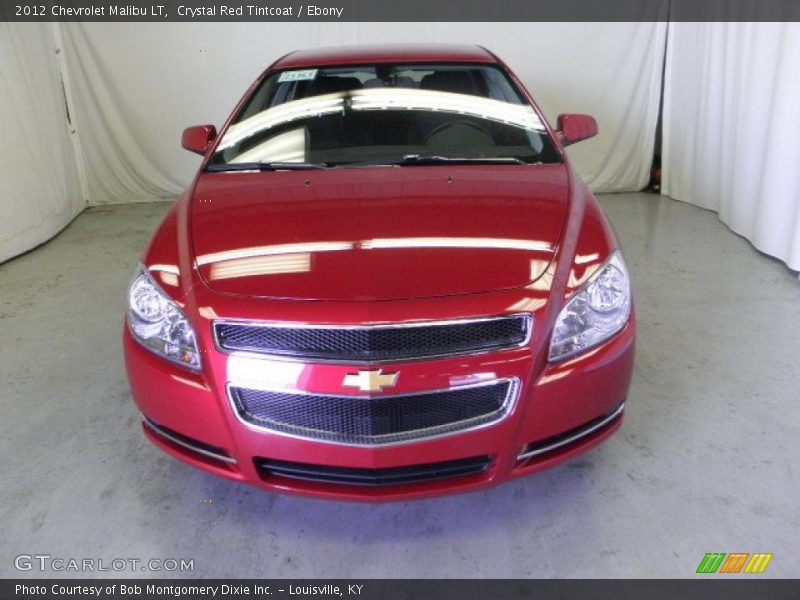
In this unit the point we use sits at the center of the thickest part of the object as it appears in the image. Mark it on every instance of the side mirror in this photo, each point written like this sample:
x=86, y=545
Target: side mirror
x=198, y=138
x=574, y=128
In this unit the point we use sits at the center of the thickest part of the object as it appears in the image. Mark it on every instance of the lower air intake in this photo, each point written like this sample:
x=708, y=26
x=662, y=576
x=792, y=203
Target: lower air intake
x=373, y=477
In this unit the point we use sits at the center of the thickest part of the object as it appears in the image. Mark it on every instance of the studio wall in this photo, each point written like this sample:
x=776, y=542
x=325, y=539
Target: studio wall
x=137, y=86
x=40, y=189
x=92, y=112
x=731, y=128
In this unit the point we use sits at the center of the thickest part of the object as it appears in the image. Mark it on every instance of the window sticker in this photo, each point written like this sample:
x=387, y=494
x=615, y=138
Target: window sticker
x=304, y=75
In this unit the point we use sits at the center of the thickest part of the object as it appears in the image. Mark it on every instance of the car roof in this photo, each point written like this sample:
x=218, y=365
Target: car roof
x=384, y=53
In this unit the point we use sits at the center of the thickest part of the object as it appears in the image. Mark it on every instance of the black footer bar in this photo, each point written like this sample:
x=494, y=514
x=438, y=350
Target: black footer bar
x=403, y=589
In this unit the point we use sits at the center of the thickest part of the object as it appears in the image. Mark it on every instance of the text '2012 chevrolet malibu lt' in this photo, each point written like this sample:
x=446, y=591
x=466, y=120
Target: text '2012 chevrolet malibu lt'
x=386, y=281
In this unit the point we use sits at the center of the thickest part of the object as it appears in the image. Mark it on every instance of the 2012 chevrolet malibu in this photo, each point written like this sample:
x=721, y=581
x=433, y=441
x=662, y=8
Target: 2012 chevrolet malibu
x=386, y=281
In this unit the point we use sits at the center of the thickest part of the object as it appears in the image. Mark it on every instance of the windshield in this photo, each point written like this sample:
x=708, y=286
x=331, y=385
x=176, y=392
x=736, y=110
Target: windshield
x=383, y=114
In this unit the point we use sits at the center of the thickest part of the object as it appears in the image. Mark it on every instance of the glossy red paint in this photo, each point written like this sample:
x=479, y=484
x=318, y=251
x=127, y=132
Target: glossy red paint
x=574, y=128
x=198, y=139
x=546, y=235
x=385, y=53
x=406, y=228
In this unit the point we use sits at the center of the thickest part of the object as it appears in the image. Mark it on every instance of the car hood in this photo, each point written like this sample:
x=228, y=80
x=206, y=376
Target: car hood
x=378, y=233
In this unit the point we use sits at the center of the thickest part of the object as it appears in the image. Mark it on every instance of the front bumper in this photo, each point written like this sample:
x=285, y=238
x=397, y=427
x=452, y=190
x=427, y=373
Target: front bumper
x=561, y=410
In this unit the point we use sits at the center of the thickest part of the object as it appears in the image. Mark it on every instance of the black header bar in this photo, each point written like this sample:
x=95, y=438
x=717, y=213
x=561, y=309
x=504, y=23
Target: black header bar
x=229, y=11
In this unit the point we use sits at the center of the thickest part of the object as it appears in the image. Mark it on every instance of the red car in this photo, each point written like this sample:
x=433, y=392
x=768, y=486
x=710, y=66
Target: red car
x=386, y=281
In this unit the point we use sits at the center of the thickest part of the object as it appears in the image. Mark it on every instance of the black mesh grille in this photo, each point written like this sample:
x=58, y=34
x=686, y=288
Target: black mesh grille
x=373, y=477
x=376, y=343
x=378, y=420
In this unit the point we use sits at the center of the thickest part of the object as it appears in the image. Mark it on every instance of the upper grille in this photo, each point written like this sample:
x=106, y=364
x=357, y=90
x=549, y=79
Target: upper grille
x=359, y=420
x=378, y=343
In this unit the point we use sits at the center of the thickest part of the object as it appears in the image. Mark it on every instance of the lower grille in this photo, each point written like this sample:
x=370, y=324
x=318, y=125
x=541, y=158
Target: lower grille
x=373, y=477
x=358, y=420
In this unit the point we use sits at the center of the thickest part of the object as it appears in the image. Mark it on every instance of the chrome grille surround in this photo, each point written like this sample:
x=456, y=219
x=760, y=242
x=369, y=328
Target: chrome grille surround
x=356, y=412
x=188, y=443
x=543, y=447
x=374, y=343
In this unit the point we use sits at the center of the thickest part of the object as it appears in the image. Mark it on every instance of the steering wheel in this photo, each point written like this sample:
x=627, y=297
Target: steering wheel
x=470, y=125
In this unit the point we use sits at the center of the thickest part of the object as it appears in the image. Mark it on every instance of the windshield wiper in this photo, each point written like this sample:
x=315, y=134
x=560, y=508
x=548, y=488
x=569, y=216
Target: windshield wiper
x=423, y=159
x=356, y=164
x=266, y=166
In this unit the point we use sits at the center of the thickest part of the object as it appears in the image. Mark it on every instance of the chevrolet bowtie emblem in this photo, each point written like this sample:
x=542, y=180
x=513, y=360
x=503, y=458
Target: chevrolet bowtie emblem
x=370, y=381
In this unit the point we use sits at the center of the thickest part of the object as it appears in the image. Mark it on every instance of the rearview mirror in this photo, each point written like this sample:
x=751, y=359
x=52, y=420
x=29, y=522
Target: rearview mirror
x=198, y=138
x=574, y=128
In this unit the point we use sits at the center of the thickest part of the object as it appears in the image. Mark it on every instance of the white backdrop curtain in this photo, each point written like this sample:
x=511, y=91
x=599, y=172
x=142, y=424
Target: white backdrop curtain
x=134, y=86
x=137, y=85
x=731, y=128
x=39, y=185
x=731, y=136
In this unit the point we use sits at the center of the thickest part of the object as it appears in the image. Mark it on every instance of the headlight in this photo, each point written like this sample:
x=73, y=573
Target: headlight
x=159, y=324
x=598, y=310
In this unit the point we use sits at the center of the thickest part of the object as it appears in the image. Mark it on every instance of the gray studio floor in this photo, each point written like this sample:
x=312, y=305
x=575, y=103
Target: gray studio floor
x=706, y=460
